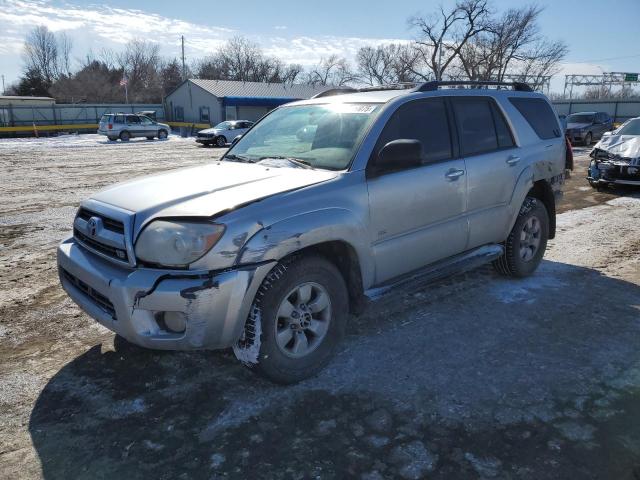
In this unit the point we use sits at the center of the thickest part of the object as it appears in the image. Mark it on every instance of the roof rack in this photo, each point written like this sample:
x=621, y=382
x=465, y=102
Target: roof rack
x=431, y=86
x=335, y=91
x=375, y=88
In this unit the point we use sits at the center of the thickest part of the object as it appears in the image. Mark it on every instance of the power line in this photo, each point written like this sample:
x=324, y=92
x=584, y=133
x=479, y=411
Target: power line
x=606, y=59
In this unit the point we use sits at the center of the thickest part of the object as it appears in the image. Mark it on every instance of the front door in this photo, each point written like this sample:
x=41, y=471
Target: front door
x=418, y=215
x=134, y=127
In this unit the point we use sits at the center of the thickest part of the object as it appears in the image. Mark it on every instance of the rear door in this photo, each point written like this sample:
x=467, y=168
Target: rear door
x=134, y=127
x=418, y=215
x=493, y=166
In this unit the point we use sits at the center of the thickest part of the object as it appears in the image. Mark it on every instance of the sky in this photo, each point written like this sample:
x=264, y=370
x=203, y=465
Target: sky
x=601, y=35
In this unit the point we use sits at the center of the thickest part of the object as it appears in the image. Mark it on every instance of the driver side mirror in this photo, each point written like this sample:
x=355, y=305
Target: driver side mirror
x=399, y=155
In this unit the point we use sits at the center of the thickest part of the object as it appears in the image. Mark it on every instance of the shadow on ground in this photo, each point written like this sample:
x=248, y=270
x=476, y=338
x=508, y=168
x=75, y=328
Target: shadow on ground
x=474, y=377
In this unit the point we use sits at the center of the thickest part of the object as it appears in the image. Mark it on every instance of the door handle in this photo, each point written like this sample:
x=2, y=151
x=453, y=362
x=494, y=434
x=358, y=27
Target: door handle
x=454, y=174
x=512, y=160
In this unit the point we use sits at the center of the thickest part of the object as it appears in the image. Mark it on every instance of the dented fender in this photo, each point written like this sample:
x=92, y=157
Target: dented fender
x=523, y=185
x=292, y=234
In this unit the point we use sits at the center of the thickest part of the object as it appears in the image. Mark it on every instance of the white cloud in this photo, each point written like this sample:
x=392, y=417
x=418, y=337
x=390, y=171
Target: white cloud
x=96, y=26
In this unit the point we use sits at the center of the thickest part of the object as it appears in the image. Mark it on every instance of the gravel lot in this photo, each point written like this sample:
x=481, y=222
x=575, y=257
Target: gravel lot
x=473, y=377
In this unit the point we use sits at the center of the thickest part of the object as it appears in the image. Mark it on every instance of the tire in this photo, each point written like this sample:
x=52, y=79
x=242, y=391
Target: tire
x=221, y=141
x=113, y=139
x=523, y=255
x=593, y=184
x=588, y=139
x=280, y=329
x=125, y=136
x=150, y=138
x=162, y=134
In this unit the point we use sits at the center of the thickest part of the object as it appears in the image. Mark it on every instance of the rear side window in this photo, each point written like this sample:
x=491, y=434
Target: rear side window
x=474, y=119
x=539, y=115
x=119, y=119
x=424, y=120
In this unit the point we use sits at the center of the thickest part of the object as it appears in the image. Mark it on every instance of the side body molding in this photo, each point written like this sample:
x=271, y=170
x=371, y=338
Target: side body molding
x=305, y=230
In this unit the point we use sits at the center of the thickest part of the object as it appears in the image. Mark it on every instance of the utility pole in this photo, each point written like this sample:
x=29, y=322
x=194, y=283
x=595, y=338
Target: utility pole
x=184, y=68
x=2, y=84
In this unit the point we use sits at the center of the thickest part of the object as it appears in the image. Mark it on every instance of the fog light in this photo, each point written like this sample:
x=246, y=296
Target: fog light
x=172, y=322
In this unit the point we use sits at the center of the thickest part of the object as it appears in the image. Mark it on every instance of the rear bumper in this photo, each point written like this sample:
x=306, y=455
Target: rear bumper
x=131, y=302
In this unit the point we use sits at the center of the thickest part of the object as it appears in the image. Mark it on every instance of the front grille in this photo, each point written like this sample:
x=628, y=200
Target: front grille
x=108, y=250
x=96, y=297
x=109, y=223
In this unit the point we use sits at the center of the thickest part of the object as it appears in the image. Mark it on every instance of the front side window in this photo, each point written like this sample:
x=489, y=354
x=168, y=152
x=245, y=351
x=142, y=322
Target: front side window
x=320, y=136
x=423, y=120
x=133, y=119
x=145, y=120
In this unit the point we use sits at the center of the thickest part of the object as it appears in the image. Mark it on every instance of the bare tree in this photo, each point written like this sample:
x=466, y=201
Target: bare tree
x=141, y=63
x=441, y=37
x=385, y=64
x=512, y=44
x=332, y=70
x=242, y=60
x=45, y=55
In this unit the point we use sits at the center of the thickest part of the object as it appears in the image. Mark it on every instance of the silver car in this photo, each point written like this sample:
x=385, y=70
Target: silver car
x=124, y=126
x=323, y=205
x=223, y=133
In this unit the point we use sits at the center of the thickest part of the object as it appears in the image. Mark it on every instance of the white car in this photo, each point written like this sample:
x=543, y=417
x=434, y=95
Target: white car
x=223, y=133
x=616, y=158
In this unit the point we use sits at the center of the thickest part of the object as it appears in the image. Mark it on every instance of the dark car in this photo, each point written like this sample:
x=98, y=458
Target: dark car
x=585, y=127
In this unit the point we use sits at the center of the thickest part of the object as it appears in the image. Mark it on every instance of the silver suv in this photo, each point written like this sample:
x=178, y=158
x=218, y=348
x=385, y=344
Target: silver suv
x=322, y=205
x=124, y=126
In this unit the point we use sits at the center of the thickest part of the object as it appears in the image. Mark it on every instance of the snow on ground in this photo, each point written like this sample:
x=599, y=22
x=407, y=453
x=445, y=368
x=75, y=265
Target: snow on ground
x=79, y=140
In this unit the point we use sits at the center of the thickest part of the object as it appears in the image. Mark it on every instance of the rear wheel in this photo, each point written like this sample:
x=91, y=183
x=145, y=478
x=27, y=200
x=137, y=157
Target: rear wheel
x=525, y=245
x=113, y=139
x=588, y=139
x=125, y=136
x=221, y=141
x=297, y=320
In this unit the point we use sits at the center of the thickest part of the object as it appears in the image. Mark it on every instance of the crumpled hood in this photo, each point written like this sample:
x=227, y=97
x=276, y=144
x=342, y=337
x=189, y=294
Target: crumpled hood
x=623, y=146
x=207, y=190
x=571, y=126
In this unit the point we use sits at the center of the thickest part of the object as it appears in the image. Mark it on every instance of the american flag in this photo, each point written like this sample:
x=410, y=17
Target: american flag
x=124, y=81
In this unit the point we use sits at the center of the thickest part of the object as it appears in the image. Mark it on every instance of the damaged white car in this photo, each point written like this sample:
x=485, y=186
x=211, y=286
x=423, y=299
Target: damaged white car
x=616, y=158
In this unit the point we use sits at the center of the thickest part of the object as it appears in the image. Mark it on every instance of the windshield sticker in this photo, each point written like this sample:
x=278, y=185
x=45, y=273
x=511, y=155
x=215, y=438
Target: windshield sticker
x=353, y=107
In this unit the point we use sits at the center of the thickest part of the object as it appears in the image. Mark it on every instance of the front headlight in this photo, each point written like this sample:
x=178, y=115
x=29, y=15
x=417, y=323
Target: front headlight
x=176, y=244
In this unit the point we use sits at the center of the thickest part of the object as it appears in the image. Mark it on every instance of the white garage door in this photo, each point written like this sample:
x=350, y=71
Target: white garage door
x=251, y=113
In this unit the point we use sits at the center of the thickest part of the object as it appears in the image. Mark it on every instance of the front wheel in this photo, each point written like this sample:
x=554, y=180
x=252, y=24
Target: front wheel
x=162, y=134
x=525, y=245
x=297, y=320
x=221, y=141
x=588, y=139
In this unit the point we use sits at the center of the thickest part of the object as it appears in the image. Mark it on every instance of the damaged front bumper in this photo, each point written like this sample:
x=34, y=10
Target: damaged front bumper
x=612, y=171
x=210, y=308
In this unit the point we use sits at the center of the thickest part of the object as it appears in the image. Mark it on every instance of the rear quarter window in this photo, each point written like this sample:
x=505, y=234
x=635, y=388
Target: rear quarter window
x=538, y=113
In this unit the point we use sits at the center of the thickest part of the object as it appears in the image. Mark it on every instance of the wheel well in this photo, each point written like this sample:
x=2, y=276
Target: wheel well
x=345, y=258
x=543, y=192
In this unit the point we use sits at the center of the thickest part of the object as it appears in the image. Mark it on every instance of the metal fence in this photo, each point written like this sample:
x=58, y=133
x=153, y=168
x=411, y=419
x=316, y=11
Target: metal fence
x=619, y=110
x=67, y=115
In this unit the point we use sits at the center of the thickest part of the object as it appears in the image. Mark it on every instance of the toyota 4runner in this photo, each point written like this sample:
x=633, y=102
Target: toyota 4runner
x=321, y=205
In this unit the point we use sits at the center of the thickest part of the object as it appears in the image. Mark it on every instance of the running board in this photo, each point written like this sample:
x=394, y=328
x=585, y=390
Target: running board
x=458, y=264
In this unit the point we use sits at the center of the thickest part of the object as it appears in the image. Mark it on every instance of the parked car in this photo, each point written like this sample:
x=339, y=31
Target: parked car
x=584, y=127
x=223, y=133
x=124, y=126
x=323, y=205
x=616, y=158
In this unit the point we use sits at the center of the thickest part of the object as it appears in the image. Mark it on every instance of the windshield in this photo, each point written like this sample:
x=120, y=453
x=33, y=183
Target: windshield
x=319, y=136
x=223, y=125
x=580, y=118
x=632, y=127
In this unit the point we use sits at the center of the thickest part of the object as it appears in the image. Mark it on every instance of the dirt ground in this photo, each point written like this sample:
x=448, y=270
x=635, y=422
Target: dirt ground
x=473, y=377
